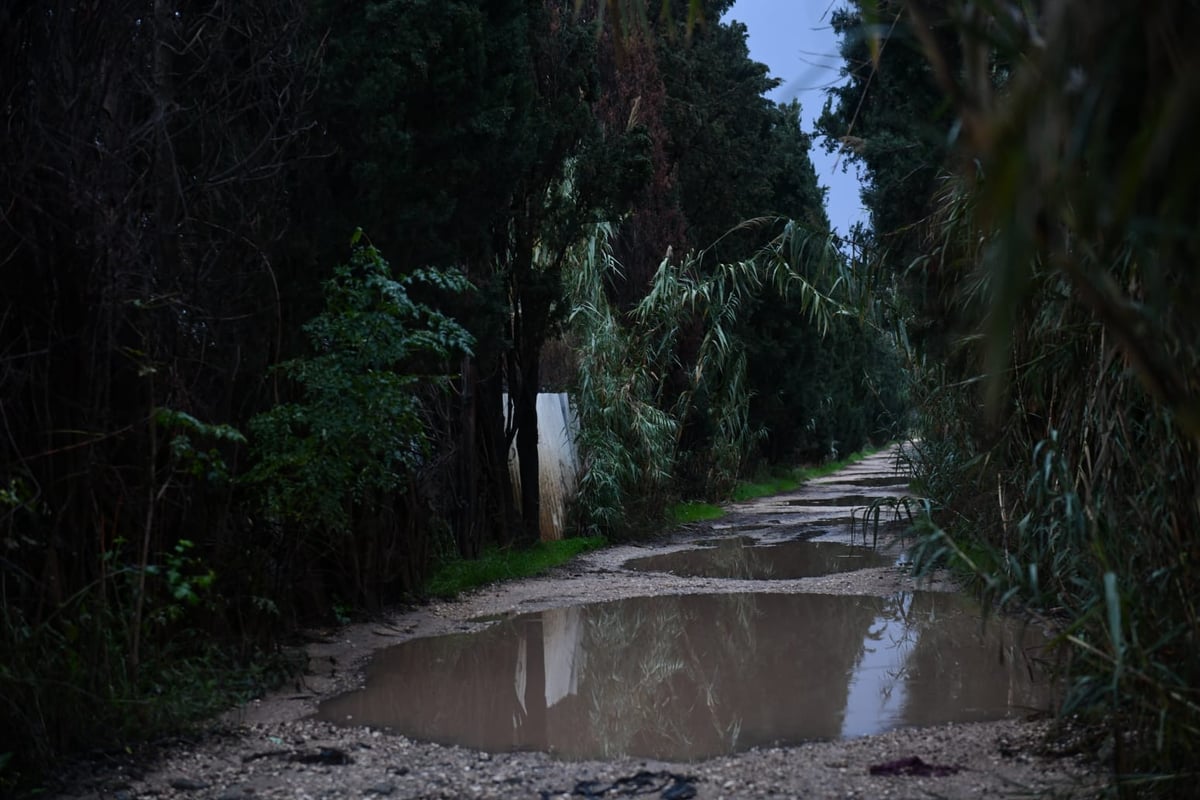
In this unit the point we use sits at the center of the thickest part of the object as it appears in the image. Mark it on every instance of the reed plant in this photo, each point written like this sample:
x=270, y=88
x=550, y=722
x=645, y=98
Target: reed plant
x=1061, y=418
x=637, y=391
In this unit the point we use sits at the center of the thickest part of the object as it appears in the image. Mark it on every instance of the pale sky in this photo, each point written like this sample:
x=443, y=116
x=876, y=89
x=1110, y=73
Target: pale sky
x=794, y=39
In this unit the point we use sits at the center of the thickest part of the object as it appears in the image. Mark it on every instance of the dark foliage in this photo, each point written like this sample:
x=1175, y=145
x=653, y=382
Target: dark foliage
x=138, y=254
x=1057, y=384
x=176, y=184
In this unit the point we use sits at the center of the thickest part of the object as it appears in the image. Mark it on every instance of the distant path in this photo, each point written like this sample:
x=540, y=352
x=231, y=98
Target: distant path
x=831, y=500
x=270, y=749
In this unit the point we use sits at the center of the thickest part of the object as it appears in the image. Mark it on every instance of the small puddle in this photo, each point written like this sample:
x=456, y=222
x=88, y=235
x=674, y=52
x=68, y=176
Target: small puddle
x=742, y=541
x=683, y=678
x=844, y=500
x=743, y=557
x=897, y=481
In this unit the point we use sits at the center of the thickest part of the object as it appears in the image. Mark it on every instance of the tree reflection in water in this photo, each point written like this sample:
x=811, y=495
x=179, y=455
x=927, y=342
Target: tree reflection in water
x=686, y=677
x=746, y=558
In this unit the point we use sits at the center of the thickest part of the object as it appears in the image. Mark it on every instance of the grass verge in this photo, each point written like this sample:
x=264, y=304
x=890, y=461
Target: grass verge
x=55, y=702
x=496, y=564
x=763, y=485
x=694, y=511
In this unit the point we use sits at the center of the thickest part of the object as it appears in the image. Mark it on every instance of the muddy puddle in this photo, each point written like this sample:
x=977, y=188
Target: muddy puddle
x=688, y=677
x=825, y=502
x=744, y=557
x=890, y=481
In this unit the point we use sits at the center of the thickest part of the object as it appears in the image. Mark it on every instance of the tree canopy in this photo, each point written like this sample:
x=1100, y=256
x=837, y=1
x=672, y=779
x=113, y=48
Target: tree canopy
x=281, y=281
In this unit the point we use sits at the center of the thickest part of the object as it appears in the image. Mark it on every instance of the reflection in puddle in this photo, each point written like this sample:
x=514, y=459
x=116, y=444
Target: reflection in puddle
x=898, y=481
x=746, y=541
x=743, y=557
x=844, y=500
x=689, y=677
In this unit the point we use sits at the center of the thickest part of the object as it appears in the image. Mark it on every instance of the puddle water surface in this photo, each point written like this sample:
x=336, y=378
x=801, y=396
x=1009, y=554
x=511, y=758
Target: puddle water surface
x=896, y=481
x=688, y=677
x=844, y=500
x=742, y=557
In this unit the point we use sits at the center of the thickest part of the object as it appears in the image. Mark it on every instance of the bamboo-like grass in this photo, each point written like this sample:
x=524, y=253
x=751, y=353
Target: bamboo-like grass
x=634, y=395
x=1060, y=440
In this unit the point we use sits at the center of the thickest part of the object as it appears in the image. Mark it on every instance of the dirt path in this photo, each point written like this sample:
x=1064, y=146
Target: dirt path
x=273, y=748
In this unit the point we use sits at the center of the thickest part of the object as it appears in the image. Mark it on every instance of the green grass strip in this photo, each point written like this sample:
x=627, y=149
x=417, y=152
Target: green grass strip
x=694, y=511
x=496, y=564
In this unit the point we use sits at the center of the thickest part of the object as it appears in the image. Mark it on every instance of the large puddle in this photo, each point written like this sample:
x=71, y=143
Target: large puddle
x=744, y=557
x=688, y=677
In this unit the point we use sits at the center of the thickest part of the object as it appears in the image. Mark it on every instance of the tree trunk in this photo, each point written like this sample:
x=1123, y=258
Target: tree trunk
x=466, y=512
x=502, y=511
x=527, y=445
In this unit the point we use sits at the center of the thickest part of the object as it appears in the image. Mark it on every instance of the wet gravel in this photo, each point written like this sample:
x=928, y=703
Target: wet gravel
x=272, y=748
x=307, y=759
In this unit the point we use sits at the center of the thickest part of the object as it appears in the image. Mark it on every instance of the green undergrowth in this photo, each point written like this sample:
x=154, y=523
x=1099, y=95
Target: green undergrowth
x=694, y=511
x=498, y=564
x=71, y=704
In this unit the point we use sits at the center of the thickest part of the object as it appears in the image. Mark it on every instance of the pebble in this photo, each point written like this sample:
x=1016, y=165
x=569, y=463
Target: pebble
x=187, y=784
x=382, y=789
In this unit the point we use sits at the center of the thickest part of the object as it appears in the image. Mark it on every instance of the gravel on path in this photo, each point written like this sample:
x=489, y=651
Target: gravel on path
x=272, y=748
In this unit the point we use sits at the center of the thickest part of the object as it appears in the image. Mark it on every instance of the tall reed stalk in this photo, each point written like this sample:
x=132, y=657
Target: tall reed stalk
x=1061, y=426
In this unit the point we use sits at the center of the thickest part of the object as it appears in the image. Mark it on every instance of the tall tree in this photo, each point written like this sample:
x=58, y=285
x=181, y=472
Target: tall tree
x=722, y=127
x=741, y=157
x=429, y=138
x=473, y=144
x=633, y=95
x=428, y=134
x=580, y=177
x=891, y=117
x=136, y=237
x=144, y=148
